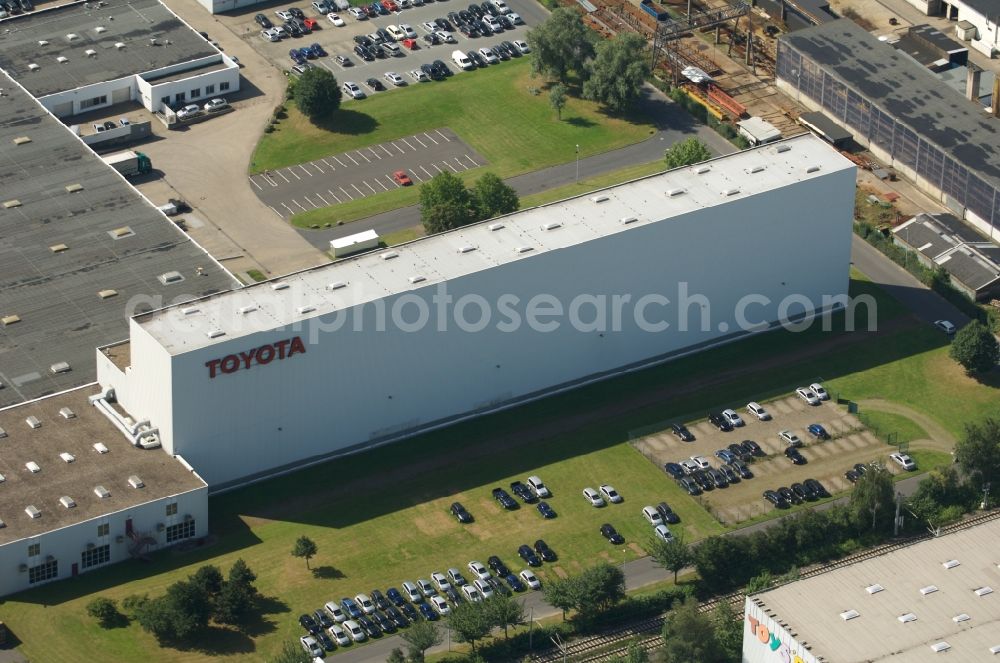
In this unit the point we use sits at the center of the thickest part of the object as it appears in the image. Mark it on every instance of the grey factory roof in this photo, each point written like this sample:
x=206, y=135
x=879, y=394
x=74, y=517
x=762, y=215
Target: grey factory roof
x=946, y=241
x=55, y=292
x=929, y=46
x=951, y=585
x=98, y=27
x=899, y=86
x=161, y=475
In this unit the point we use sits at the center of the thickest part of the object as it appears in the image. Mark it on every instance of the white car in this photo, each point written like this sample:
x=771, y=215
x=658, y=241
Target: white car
x=530, y=579
x=652, y=515
x=352, y=90
x=478, y=570
x=662, y=532
x=394, y=78
x=365, y=603
x=426, y=587
x=757, y=410
x=357, y=13
x=333, y=609
x=522, y=46
x=441, y=605
x=471, y=594
x=411, y=592
x=284, y=15
x=610, y=494
x=311, y=646
x=689, y=465
x=191, y=110
x=354, y=630
x=536, y=486
x=946, y=326
x=515, y=18
x=408, y=30
x=215, y=105
x=336, y=20
x=270, y=35
x=441, y=580
x=701, y=462
x=395, y=32
x=593, y=497
x=418, y=76
x=489, y=56
x=484, y=588
x=904, y=461
x=732, y=417
x=789, y=438
x=807, y=395
x=445, y=37
x=429, y=28
x=339, y=635
x=820, y=392
x=456, y=577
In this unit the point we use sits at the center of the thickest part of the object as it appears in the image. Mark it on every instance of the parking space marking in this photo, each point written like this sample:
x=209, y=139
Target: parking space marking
x=436, y=168
x=290, y=210
x=259, y=187
x=394, y=182
x=472, y=161
x=385, y=150
x=299, y=205
x=430, y=138
x=460, y=164
x=384, y=187
x=332, y=167
x=351, y=158
x=306, y=171
x=315, y=206
x=427, y=172
x=408, y=144
x=276, y=212
x=292, y=172
x=283, y=177
x=340, y=162
x=361, y=154
x=333, y=194
x=420, y=141
x=360, y=192
x=417, y=177
x=316, y=166
x=449, y=165
x=349, y=196
x=398, y=148
x=320, y=196
x=446, y=139
x=374, y=153
x=370, y=187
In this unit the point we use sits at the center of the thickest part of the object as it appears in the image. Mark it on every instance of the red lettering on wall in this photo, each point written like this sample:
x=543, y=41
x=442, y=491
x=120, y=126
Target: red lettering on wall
x=763, y=634
x=265, y=354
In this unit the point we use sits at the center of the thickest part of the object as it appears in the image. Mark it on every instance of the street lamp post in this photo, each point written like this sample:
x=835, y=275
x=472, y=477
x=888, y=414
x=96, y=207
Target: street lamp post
x=577, y=163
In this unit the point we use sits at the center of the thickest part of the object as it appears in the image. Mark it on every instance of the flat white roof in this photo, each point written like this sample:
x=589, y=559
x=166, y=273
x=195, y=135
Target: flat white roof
x=351, y=240
x=519, y=236
x=964, y=567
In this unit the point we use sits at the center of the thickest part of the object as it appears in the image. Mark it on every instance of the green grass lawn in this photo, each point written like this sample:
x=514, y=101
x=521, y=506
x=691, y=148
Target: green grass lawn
x=380, y=517
x=405, y=235
x=493, y=110
x=901, y=428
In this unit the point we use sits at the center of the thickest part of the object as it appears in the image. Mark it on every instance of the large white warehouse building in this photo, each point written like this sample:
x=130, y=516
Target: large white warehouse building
x=378, y=347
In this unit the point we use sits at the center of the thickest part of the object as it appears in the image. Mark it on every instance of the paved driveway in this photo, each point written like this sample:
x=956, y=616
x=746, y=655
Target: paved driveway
x=364, y=172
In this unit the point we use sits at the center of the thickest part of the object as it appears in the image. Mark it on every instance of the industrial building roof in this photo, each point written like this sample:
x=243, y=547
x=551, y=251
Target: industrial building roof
x=519, y=236
x=950, y=585
x=931, y=47
x=124, y=37
x=825, y=127
x=73, y=263
x=901, y=87
x=74, y=431
x=946, y=241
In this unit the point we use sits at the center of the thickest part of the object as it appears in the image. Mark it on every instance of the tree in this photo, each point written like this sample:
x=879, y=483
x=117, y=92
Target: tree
x=447, y=216
x=561, y=594
x=619, y=72
x=470, y=622
x=721, y=561
x=561, y=44
x=208, y=579
x=237, y=598
x=189, y=608
x=396, y=656
x=105, y=611
x=291, y=653
x=759, y=582
x=156, y=616
x=304, y=546
x=421, y=636
x=688, y=636
x=685, y=153
x=317, y=94
x=873, y=496
x=728, y=625
x=505, y=612
x=975, y=348
x=493, y=197
x=557, y=99
x=445, y=203
x=978, y=453
x=599, y=588
x=671, y=555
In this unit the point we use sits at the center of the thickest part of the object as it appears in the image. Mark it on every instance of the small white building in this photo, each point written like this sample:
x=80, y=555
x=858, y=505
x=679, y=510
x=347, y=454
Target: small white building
x=345, y=246
x=758, y=131
x=75, y=495
x=976, y=20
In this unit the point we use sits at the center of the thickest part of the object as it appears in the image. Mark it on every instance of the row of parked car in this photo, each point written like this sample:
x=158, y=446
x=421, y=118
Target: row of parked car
x=11, y=7
x=809, y=490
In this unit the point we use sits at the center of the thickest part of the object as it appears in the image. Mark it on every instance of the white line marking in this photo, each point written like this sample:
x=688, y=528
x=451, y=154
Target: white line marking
x=361, y=154
x=379, y=182
x=430, y=138
x=259, y=187
x=385, y=150
x=333, y=194
x=290, y=210
x=435, y=167
x=276, y=212
x=320, y=196
x=374, y=153
x=472, y=161
x=283, y=177
x=305, y=171
x=300, y=205
x=332, y=167
x=349, y=196
x=446, y=139
x=316, y=166
x=292, y=172
x=341, y=162
x=315, y=206
x=419, y=141
x=450, y=166
x=401, y=151
x=360, y=192
x=408, y=144
x=352, y=159
x=460, y=164
x=417, y=177
x=427, y=172
x=370, y=187
x=392, y=181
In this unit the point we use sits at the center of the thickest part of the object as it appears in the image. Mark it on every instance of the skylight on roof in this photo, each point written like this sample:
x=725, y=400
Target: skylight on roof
x=940, y=646
x=951, y=563
x=874, y=589
x=961, y=618
x=848, y=615
x=929, y=589
x=908, y=617
x=983, y=591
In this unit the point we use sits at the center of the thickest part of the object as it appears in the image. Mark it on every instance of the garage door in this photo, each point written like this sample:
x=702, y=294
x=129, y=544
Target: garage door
x=123, y=94
x=63, y=109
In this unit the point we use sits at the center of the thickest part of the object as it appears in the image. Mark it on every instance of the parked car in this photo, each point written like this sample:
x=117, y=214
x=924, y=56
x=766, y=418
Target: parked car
x=816, y=487
x=384, y=623
x=742, y=469
x=395, y=596
x=674, y=470
x=427, y=612
x=800, y=491
x=776, y=499
x=365, y=603
x=662, y=532
x=546, y=510
x=478, y=570
x=497, y=565
x=412, y=592
x=610, y=494
x=536, y=486
x=504, y=499
x=335, y=612
x=355, y=631
x=733, y=418
x=820, y=392
x=720, y=422
x=725, y=455
x=703, y=480
x=514, y=582
x=752, y=448
x=740, y=452
x=339, y=635
x=789, y=438
x=395, y=79
x=690, y=485
x=667, y=514
x=904, y=461
x=419, y=76
x=701, y=462
x=946, y=326
x=397, y=617
x=440, y=581
x=374, y=84
x=322, y=618
x=378, y=598
x=522, y=491
x=489, y=56
x=263, y=21
x=717, y=477
x=441, y=605
x=216, y=105
x=471, y=593
x=544, y=551
x=460, y=513
x=528, y=555
x=611, y=534
x=484, y=587
x=860, y=468
x=351, y=608
x=795, y=456
x=358, y=13
x=593, y=497
x=311, y=645
x=757, y=410
x=308, y=623
x=852, y=476
x=530, y=579
x=681, y=432
x=652, y=516
x=732, y=476
x=789, y=495
x=344, y=61
x=807, y=395
x=188, y=112
x=410, y=612
x=426, y=587
x=817, y=431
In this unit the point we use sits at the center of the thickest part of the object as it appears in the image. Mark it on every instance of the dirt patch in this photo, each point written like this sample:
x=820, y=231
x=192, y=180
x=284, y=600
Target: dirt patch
x=432, y=521
x=637, y=549
x=559, y=571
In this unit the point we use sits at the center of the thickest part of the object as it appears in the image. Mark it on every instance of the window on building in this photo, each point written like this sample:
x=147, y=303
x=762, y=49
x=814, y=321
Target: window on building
x=195, y=93
x=172, y=509
x=34, y=549
x=223, y=86
x=184, y=530
x=179, y=97
x=209, y=89
x=103, y=530
x=95, y=556
x=165, y=100
x=42, y=572
x=95, y=101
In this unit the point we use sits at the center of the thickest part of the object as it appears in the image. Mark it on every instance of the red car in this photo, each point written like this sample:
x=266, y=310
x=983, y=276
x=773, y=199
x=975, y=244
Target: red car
x=390, y=5
x=310, y=23
x=410, y=44
x=401, y=178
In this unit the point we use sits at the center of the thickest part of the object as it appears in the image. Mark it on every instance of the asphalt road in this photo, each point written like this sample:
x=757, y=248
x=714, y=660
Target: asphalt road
x=673, y=124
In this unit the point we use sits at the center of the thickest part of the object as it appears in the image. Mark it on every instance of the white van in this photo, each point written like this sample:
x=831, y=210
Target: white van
x=501, y=6
x=462, y=60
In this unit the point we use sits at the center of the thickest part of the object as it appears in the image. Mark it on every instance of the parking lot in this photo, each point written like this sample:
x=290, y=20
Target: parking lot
x=364, y=172
x=827, y=461
x=339, y=40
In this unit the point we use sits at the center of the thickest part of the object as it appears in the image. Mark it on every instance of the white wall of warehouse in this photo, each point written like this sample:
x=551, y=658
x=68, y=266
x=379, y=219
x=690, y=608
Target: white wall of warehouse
x=772, y=643
x=67, y=544
x=354, y=388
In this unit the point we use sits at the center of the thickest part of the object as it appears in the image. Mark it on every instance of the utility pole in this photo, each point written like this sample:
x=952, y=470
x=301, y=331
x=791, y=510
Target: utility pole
x=531, y=627
x=577, y=163
x=557, y=641
x=986, y=496
x=898, y=522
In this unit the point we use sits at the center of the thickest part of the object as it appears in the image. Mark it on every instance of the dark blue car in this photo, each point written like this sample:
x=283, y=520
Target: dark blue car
x=428, y=612
x=351, y=608
x=674, y=470
x=317, y=51
x=296, y=56
x=393, y=595
x=818, y=432
x=546, y=510
x=514, y=582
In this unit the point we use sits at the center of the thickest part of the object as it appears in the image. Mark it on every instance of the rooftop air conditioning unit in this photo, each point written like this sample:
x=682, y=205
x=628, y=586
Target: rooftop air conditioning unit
x=33, y=422
x=67, y=457
x=62, y=59
x=100, y=448
x=102, y=492
x=67, y=501
x=135, y=481
x=90, y=52
x=119, y=45
x=71, y=36
x=33, y=467
x=33, y=67
x=32, y=511
x=67, y=413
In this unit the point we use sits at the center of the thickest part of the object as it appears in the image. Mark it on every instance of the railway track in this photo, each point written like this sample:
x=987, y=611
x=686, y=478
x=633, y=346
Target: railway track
x=645, y=634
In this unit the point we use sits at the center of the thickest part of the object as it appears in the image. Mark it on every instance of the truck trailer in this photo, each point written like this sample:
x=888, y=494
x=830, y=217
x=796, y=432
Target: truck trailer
x=129, y=163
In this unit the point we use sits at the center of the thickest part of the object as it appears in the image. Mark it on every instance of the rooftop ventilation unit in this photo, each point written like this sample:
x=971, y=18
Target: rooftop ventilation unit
x=468, y=248
x=525, y=249
x=11, y=204
x=107, y=294
x=600, y=198
x=626, y=220
x=929, y=589
x=215, y=333
x=495, y=227
x=102, y=492
x=951, y=563
x=100, y=448
x=59, y=367
x=2, y=478
x=3, y=433
x=874, y=589
x=33, y=66
x=8, y=320
x=417, y=278
x=389, y=255
x=308, y=308
x=907, y=618
x=731, y=192
x=58, y=248
x=32, y=511
x=33, y=467
x=757, y=169
x=783, y=148
x=848, y=615
x=243, y=310
x=136, y=482
x=940, y=647
x=336, y=285
x=701, y=170
x=119, y=45
x=33, y=422
x=71, y=36
x=551, y=225
x=995, y=649
x=67, y=457
x=67, y=413
x=983, y=591
x=100, y=28
x=73, y=188
x=67, y=501
x=189, y=310
x=22, y=140
x=812, y=169
x=958, y=619
x=62, y=59
x=43, y=42
x=279, y=286
x=676, y=192
x=167, y=278
x=90, y=52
